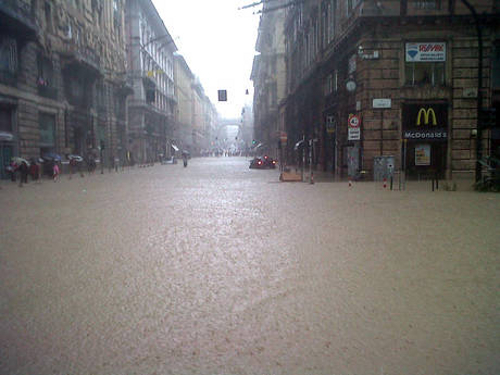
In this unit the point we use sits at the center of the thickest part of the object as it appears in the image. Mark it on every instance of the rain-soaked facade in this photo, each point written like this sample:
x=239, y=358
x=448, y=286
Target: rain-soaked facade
x=396, y=79
x=151, y=73
x=62, y=88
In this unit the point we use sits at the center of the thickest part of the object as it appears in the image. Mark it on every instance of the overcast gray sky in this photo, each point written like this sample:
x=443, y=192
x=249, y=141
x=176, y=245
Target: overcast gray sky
x=218, y=42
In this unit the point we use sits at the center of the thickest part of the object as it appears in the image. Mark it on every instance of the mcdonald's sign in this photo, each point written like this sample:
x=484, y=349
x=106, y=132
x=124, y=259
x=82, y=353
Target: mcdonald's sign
x=427, y=121
x=427, y=113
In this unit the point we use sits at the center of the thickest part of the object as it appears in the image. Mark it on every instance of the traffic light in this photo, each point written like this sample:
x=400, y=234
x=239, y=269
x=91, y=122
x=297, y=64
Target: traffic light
x=253, y=141
x=222, y=95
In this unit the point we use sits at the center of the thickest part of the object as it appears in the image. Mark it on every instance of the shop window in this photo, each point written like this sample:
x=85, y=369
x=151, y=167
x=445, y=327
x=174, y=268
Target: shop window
x=116, y=15
x=6, y=119
x=45, y=80
x=425, y=74
x=100, y=93
x=495, y=67
x=8, y=55
x=425, y=64
x=331, y=84
x=77, y=88
x=47, y=124
x=48, y=16
x=150, y=96
x=66, y=129
x=45, y=72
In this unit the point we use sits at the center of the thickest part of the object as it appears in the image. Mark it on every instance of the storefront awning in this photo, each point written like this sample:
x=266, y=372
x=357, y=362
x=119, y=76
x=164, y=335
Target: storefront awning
x=175, y=147
x=6, y=136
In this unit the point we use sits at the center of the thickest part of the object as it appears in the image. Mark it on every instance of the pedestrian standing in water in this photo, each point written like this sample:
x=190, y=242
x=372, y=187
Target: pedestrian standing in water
x=72, y=167
x=91, y=164
x=55, y=171
x=34, y=170
x=12, y=169
x=23, y=171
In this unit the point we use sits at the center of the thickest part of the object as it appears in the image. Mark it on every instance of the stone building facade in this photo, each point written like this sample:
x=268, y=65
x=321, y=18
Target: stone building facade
x=152, y=106
x=184, y=80
x=269, y=76
x=398, y=79
x=62, y=83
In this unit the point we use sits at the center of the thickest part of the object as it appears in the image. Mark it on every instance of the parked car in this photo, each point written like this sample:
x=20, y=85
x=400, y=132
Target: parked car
x=263, y=162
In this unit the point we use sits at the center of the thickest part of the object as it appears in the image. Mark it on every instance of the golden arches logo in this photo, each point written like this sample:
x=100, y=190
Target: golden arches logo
x=427, y=114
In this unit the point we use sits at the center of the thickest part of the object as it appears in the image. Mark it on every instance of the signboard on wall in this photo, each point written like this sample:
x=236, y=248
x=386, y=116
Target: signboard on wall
x=423, y=155
x=425, y=52
x=427, y=121
x=382, y=103
x=330, y=124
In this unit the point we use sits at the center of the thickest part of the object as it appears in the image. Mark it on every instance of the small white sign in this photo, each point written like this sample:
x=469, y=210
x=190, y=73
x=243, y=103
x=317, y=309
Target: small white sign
x=423, y=155
x=382, y=103
x=352, y=64
x=354, y=134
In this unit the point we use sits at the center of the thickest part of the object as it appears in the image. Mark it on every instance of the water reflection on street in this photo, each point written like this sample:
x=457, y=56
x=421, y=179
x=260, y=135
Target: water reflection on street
x=219, y=269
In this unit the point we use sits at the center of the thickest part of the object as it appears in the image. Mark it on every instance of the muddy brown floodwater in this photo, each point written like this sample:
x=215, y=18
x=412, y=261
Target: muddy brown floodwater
x=218, y=269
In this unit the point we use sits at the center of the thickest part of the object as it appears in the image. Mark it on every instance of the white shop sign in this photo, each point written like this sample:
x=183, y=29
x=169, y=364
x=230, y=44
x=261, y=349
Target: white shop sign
x=425, y=52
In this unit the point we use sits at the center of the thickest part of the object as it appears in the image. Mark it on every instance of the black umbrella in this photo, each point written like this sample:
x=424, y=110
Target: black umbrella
x=52, y=156
x=77, y=158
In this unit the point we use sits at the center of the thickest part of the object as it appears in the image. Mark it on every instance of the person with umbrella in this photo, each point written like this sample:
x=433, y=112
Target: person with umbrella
x=75, y=164
x=23, y=171
x=11, y=169
x=34, y=170
x=21, y=165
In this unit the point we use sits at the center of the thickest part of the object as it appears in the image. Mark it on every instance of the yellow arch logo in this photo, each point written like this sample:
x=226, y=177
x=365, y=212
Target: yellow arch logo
x=427, y=114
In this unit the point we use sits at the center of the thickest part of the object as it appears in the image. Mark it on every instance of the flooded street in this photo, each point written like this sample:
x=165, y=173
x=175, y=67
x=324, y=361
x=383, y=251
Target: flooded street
x=219, y=269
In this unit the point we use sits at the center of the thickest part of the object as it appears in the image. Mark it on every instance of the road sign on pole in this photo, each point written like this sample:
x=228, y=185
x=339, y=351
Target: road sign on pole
x=354, y=131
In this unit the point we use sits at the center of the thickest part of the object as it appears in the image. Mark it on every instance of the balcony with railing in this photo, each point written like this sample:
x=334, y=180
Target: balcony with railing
x=410, y=8
x=8, y=77
x=84, y=56
x=17, y=18
x=46, y=90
